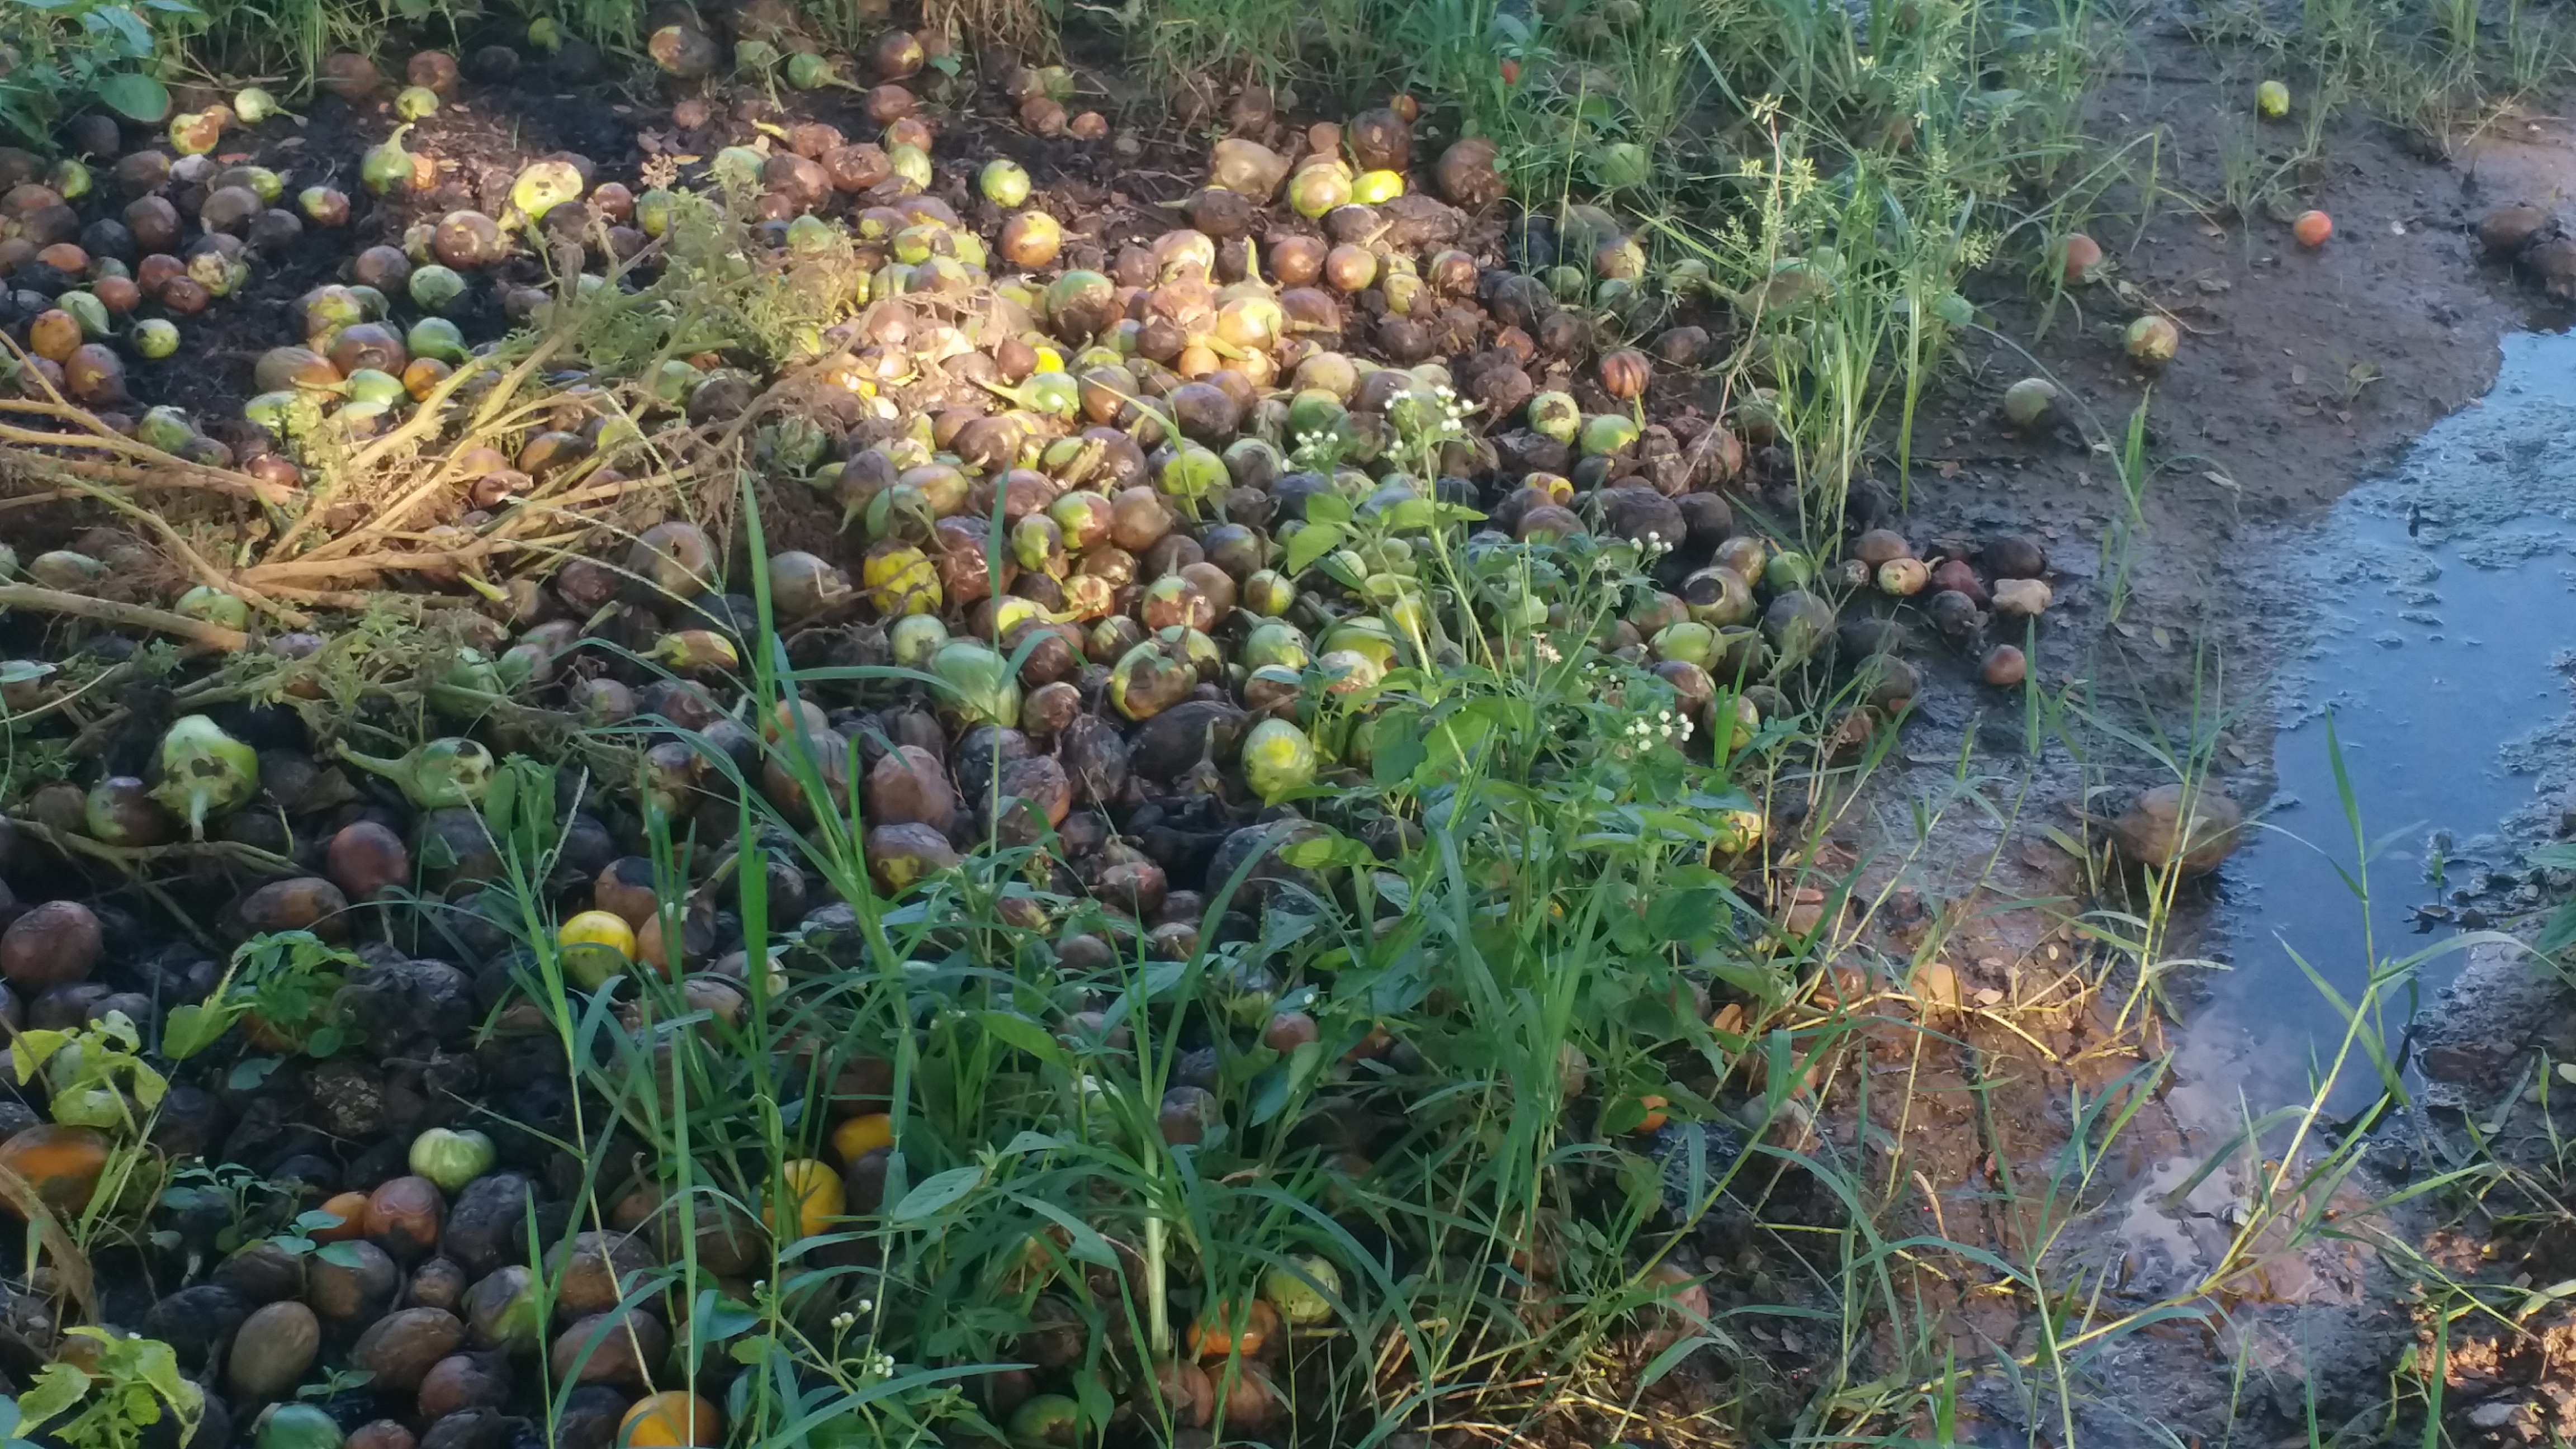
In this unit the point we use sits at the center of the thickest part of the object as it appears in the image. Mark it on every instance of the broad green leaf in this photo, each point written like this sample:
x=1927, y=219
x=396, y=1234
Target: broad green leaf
x=191, y=1029
x=1311, y=543
x=247, y=1074
x=939, y=1190
x=133, y=37
x=721, y=1318
x=1411, y=514
x=1395, y=748
x=58, y=1386
x=342, y=1255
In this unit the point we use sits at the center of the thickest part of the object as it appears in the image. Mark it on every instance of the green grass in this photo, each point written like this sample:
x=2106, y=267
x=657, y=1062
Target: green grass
x=1008, y=1113
x=1535, y=956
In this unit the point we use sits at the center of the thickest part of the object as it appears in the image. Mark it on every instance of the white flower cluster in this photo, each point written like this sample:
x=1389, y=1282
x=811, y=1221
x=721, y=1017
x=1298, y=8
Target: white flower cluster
x=1455, y=410
x=877, y=1366
x=1664, y=726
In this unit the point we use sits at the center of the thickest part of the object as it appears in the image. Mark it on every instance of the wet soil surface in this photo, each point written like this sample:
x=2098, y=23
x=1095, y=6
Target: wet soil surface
x=2345, y=518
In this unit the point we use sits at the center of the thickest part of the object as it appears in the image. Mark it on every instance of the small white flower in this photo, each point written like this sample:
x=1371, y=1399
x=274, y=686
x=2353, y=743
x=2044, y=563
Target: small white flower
x=1665, y=715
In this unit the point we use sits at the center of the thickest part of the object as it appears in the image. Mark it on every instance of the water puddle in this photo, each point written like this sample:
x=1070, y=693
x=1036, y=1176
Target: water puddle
x=2445, y=597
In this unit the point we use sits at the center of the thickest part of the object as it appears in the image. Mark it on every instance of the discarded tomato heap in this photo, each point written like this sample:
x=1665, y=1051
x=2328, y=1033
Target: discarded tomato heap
x=1109, y=535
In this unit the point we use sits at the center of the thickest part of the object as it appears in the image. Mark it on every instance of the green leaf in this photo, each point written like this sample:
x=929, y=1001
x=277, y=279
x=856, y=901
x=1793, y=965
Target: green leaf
x=1092, y=1396
x=722, y=1318
x=28, y=1050
x=1684, y=915
x=342, y=1255
x=1327, y=508
x=1321, y=851
x=58, y=1386
x=191, y=1029
x=134, y=38
x=937, y=1191
x=1395, y=748
x=160, y=1366
x=1087, y=1246
x=1281, y=1082
x=1270, y=1096
x=1017, y=1030
x=1411, y=514
x=1624, y=1115
x=1311, y=543
x=247, y=1074
x=1338, y=567
x=2560, y=933
x=1664, y=1363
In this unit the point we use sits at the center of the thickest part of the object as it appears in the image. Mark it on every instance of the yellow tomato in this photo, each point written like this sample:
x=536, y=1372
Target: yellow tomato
x=671, y=1420
x=863, y=1134
x=816, y=1190
x=598, y=928
x=1373, y=188
x=596, y=945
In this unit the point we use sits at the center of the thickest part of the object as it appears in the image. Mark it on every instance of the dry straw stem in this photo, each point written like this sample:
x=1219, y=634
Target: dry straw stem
x=127, y=857
x=131, y=616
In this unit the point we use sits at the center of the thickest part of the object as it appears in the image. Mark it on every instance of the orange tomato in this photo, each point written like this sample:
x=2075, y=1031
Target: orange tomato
x=1214, y=1334
x=671, y=1420
x=1654, y=1106
x=2312, y=228
x=352, y=1208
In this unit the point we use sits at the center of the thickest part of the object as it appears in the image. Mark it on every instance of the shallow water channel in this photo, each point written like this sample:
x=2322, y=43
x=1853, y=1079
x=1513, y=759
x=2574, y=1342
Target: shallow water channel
x=2444, y=598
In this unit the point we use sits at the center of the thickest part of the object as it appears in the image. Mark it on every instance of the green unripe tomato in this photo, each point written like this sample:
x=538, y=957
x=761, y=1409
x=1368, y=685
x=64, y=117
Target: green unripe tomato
x=451, y=1159
x=156, y=338
x=1004, y=182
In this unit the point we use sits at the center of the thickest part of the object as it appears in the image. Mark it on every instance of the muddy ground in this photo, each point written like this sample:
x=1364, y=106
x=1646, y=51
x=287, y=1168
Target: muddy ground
x=2259, y=425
